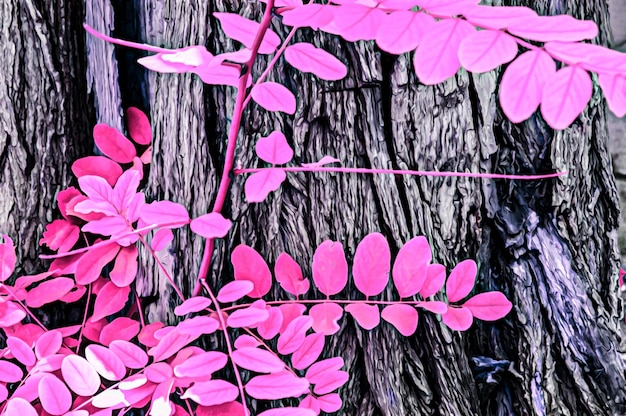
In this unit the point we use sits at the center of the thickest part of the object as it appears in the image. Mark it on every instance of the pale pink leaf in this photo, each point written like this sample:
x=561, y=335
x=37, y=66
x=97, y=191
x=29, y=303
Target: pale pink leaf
x=249, y=265
x=500, y=17
x=310, y=402
x=323, y=161
x=257, y=360
x=325, y=317
x=198, y=325
x=160, y=401
x=162, y=237
x=101, y=166
x=332, y=381
x=403, y=317
x=179, y=60
x=234, y=291
x=244, y=30
x=435, y=278
x=330, y=268
x=121, y=328
x=402, y=31
x=48, y=343
x=274, y=97
x=164, y=213
x=447, y=7
x=139, y=127
x=125, y=268
x=201, y=365
x=92, y=262
x=111, y=299
x=565, y=96
x=96, y=188
x=292, y=338
x=131, y=355
x=259, y=185
x=289, y=275
x=49, y=291
x=562, y=28
x=409, y=268
x=614, y=89
x=245, y=341
x=9, y=372
x=458, y=319
x=308, y=58
x=105, y=362
x=108, y=399
x=21, y=407
x=113, y=143
x=80, y=376
x=330, y=403
x=277, y=386
x=192, y=305
x=274, y=148
x=125, y=189
x=309, y=351
x=593, y=58
x=434, y=306
x=489, y=306
x=269, y=328
x=288, y=411
x=212, y=225
x=10, y=314
x=436, y=58
x=485, y=50
x=168, y=345
x=461, y=280
x=107, y=226
x=318, y=371
x=54, y=396
x=211, y=392
x=21, y=351
x=247, y=317
x=158, y=372
x=220, y=75
x=311, y=15
x=357, y=22
x=371, y=265
x=367, y=316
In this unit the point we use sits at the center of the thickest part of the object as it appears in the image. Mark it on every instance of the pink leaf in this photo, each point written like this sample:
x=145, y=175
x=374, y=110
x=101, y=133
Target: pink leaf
x=131, y=355
x=110, y=299
x=447, y=7
x=277, y=386
x=274, y=97
x=21, y=351
x=192, y=305
x=212, y=225
x=244, y=341
x=565, y=96
x=54, y=396
x=146, y=335
x=310, y=402
x=105, y=362
x=244, y=30
x=461, y=280
x=269, y=328
x=60, y=235
x=485, y=50
x=164, y=213
x=121, y=328
x=9, y=372
x=97, y=166
x=274, y=148
x=247, y=317
x=436, y=59
x=593, y=58
x=179, y=60
x=80, y=376
x=158, y=372
x=371, y=264
x=125, y=269
x=311, y=15
x=292, y=338
x=403, y=317
x=409, y=269
x=211, y=392
x=522, y=84
x=435, y=278
x=368, y=316
x=289, y=275
x=7, y=258
x=459, y=319
x=92, y=262
x=259, y=185
x=308, y=58
x=48, y=344
x=402, y=31
x=614, y=89
x=289, y=312
x=323, y=161
x=257, y=360
x=161, y=239
x=113, y=143
x=318, y=371
x=49, y=291
x=168, y=345
x=330, y=403
x=10, y=314
x=19, y=406
x=288, y=411
x=138, y=126
x=249, y=265
x=225, y=409
x=234, y=291
x=548, y=28
x=356, y=22
x=325, y=317
x=330, y=268
x=202, y=365
x=198, y=325
x=500, y=17
x=125, y=191
x=434, y=306
x=309, y=351
x=220, y=75
x=331, y=381
x=489, y=306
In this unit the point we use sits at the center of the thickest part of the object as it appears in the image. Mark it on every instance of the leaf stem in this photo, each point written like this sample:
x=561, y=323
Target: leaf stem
x=128, y=44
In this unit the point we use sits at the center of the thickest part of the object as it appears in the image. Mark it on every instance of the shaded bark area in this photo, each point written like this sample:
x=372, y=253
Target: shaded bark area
x=45, y=115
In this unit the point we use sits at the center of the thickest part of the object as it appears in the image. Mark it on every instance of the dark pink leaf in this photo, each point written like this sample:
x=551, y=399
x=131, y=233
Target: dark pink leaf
x=125, y=269
x=489, y=306
x=48, y=343
x=244, y=30
x=249, y=265
x=293, y=336
x=288, y=411
x=289, y=275
x=308, y=58
x=289, y=312
x=332, y=381
x=247, y=317
x=459, y=319
x=168, y=345
x=80, y=376
x=225, y=409
x=403, y=317
x=277, y=386
x=121, y=328
x=311, y=15
x=269, y=328
x=323, y=161
x=7, y=257
x=19, y=406
x=74, y=295
x=330, y=268
x=274, y=148
x=211, y=392
x=202, y=365
x=435, y=278
x=485, y=50
x=54, y=396
x=565, y=96
x=367, y=316
x=49, y=291
x=164, y=213
x=146, y=335
x=402, y=31
x=257, y=360
x=131, y=355
x=434, y=306
x=318, y=371
x=325, y=317
x=409, y=269
x=92, y=262
x=274, y=97
x=356, y=22
x=97, y=166
x=110, y=300
x=192, y=305
x=371, y=264
x=461, y=280
x=309, y=351
x=562, y=28
x=259, y=185
x=105, y=362
x=161, y=239
x=614, y=89
x=21, y=351
x=330, y=403
x=138, y=126
x=212, y=225
x=113, y=143
x=9, y=372
x=60, y=235
x=234, y=290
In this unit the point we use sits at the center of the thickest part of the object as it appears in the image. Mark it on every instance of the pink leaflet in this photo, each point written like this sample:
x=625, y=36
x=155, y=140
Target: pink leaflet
x=272, y=325
x=436, y=59
x=614, y=89
x=409, y=268
x=311, y=15
x=402, y=31
x=91, y=330
x=371, y=265
x=110, y=299
x=434, y=306
x=562, y=28
x=7, y=257
x=225, y=409
x=289, y=275
x=323, y=161
x=593, y=58
x=259, y=185
x=447, y=7
x=211, y=392
x=244, y=30
x=105, y=362
x=293, y=336
x=139, y=127
x=330, y=268
x=49, y=364
x=60, y=235
x=121, y=328
x=158, y=372
x=403, y=317
x=489, y=306
x=289, y=312
x=146, y=335
x=168, y=345
x=192, y=305
x=125, y=190
x=461, y=280
x=308, y=58
x=330, y=403
x=97, y=166
x=113, y=144
x=459, y=319
x=178, y=61
x=96, y=188
x=212, y=225
x=234, y=291
x=277, y=386
x=435, y=278
x=273, y=96
x=109, y=399
x=161, y=238
x=198, y=325
x=220, y=75
x=21, y=351
x=332, y=381
x=245, y=341
x=356, y=22
x=318, y=371
x=9, y=372
x=131, y=355
x=125, y=269
x=288, y=411
x=54, y=396
x=485, y=50
x=274, y=148
x=325, y=317
x=49, y=291
x=310, y=402
x=500, y=17
x=80, y=376
x=565, y=96
x=309, y=351
x=10, y=314
x=202, y=365
x=92, y=262
x=257, y=360
x=164, y=212
x=249, y=265
x=247, y=317
x=367, y=316
x=19, y=406
x=48, y=343
x=160, y=404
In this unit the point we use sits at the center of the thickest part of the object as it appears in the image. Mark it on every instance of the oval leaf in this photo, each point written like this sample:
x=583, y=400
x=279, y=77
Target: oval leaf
x=325, y=317
x=308, y=58
x=409, y=269
x=192, y=305
x=309, y=351
x=489, y=306
x=459, y=319
x=274, y=148
x=403, y=317
x=367, y=316
x=80, y=376
x=485, y=50
x=113, y=144
x=565, y=96
x=212, y=225
x=274, y=97
x=461, y=280
x=54, y=396
x=289, y=275
x=105, y=362
x=259, y=185
x=371, y=264
x=138, y=126
x=244, y=30
x=97, y=166
x=277, y=386
x=234, y=290
x=257, y=360
x=330, y=268
x=250, y=266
